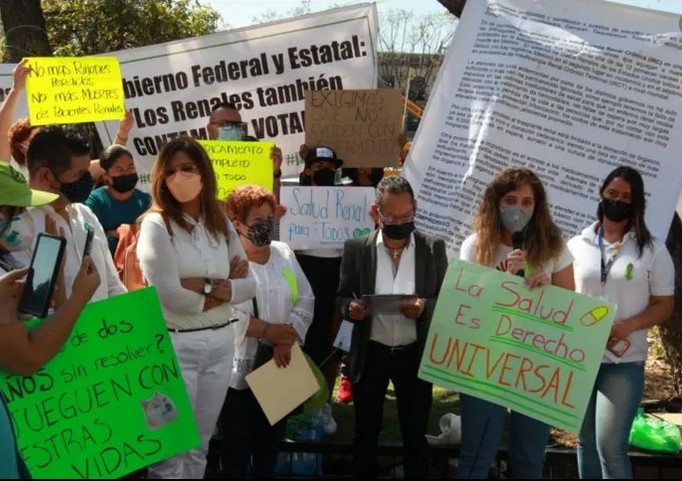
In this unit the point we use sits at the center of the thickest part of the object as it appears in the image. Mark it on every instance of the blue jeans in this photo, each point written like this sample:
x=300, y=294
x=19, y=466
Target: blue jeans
x=482, y=424
x=603, y=440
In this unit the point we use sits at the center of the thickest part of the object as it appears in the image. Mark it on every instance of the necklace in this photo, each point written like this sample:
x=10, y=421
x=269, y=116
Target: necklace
x=395, y=253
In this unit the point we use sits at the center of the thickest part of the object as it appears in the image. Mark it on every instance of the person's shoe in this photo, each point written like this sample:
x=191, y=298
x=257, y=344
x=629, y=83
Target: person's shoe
x=345, y=392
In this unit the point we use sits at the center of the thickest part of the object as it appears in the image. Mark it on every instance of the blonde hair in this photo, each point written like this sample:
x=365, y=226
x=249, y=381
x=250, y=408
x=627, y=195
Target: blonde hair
x=543, y=241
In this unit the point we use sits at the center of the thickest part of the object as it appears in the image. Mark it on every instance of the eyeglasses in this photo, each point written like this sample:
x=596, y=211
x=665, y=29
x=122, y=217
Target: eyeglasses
x=403, y=219
x=185, y=169
x=230, y=125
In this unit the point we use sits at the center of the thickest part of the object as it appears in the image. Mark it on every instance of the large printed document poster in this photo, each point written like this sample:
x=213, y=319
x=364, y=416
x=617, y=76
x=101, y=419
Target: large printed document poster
x=570, y=90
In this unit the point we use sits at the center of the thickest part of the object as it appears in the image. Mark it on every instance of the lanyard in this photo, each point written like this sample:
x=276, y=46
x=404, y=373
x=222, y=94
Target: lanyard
x=606, y=265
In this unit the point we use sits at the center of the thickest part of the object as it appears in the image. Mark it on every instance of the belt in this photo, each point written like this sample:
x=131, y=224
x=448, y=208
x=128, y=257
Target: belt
x=213, y=328
x=394, y=350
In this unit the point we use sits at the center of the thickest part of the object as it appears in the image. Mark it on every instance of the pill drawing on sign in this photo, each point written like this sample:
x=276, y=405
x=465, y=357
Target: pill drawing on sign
x=593, y=316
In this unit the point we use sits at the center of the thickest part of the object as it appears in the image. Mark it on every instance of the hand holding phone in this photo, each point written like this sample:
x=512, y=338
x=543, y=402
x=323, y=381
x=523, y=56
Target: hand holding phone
x=42, y=276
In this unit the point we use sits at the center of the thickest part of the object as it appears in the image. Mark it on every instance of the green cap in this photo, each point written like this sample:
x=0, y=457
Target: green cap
x=15, y=191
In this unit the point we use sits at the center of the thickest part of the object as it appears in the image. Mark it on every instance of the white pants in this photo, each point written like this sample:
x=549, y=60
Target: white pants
x=205, y=358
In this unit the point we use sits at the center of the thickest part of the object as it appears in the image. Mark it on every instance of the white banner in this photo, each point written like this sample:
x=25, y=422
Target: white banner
x=265, y=70
x=570, y=91
x=325, y=217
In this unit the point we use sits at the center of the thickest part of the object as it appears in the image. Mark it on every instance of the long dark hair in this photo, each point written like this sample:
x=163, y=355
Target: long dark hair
x=637, y=204
x=164, y=202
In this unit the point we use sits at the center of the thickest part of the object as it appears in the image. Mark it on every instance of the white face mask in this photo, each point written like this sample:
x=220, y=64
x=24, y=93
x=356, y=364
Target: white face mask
x=184, y=186
x=514, y=218
x=14, y=235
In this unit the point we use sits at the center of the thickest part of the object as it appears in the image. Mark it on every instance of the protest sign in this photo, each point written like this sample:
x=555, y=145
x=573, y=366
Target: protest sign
x=537, y=352
x=69, y=90
x=325, y=216
x=239, y=163
x=362, y=126
x=264, y=70
x=111, y=402
x=568, y=91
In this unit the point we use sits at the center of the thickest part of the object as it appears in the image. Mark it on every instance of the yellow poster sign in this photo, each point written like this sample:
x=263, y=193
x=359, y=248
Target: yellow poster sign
x=239, y=163
x=70, y=90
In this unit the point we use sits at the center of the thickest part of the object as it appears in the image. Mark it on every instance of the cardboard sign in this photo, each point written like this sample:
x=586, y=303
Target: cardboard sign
x=325, y=217
x=70, y=90
x=362, y=126
x=111, y=402
x=536, y=352
x=240, y=163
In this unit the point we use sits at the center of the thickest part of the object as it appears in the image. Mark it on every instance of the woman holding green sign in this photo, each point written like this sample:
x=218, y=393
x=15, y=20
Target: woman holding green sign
x=514, y=232
x=617, y=259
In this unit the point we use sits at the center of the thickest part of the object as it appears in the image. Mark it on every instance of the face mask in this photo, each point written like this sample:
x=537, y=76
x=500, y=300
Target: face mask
x=514, y=218
x=124, y=183
x=184, y=186
x=12, y=235
x=398, y=231
x=78, y=191
x=616, y=210
x=324, y=177
x=260, y=233
x=229, y=133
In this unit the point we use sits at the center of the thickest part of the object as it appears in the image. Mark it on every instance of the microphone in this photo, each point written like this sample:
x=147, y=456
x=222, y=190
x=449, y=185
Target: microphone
x=517, y=243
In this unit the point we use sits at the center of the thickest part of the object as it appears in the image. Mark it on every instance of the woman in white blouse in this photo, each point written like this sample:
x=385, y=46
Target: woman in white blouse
x=186, y=250
x=281, y=315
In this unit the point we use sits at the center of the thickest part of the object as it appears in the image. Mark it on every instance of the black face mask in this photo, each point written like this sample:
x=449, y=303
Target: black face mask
x=78, y=191
x=260, y=233
x=616, y=210
x=398, y=231
x=324, y=177
x=124, y=183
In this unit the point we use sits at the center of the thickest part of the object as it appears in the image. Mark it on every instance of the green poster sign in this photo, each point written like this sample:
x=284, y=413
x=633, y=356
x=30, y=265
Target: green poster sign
x=111, y=402
x=537, y=352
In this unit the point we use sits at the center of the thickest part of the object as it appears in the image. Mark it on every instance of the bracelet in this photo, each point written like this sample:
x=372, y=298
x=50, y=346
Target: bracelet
x=277, y=174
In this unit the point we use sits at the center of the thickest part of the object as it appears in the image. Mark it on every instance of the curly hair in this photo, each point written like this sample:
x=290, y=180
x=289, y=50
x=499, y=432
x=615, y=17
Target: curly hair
x=246, y=197
x=18, y=135
x=543, y=240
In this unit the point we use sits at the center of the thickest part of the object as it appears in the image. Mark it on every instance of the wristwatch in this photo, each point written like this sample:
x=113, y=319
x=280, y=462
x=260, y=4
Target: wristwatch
x=208, y=287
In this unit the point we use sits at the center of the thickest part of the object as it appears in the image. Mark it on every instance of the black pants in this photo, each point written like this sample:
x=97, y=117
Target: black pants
x=250, y=445
x=323, y=274
x=414, y=398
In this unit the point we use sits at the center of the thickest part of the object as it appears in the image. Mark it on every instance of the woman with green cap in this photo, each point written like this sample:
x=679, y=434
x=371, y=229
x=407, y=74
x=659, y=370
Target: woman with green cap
x=23, y=352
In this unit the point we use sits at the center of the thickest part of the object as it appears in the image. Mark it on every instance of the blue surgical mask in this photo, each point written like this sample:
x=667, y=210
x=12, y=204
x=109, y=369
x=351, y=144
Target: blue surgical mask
x=229, y=133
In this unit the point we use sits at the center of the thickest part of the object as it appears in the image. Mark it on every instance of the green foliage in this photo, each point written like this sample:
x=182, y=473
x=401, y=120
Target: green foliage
x=88, y=27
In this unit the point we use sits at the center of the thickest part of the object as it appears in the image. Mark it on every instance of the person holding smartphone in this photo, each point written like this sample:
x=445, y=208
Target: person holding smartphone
x=618, y=260
x=23, y=352
x=58, y=161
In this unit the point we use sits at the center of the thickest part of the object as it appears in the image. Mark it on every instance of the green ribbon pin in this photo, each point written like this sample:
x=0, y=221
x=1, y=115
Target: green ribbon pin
x=628, y=271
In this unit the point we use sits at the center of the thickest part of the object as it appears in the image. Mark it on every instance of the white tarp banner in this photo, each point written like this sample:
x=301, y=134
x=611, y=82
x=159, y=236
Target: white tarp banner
x=570, y=91
x=265, y=70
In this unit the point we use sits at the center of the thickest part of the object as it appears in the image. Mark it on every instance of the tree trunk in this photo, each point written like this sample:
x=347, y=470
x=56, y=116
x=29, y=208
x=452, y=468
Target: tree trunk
x=24, y=26
x=671, y=331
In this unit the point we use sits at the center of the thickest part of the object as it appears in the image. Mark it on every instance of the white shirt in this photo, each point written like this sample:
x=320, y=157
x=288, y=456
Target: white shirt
x=394, y=329
x=283, y=294
x=33, y=222
x=198, y=254
x=630, y=282
x=468, y=253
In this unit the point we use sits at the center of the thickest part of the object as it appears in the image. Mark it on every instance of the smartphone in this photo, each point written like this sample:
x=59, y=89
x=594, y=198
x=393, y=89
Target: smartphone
x=88, y=241
x=45, y=264
x=618, y=346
